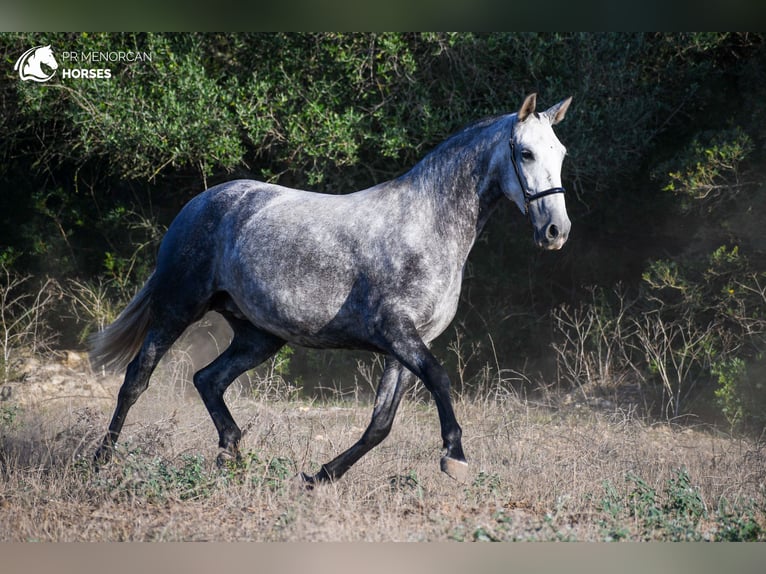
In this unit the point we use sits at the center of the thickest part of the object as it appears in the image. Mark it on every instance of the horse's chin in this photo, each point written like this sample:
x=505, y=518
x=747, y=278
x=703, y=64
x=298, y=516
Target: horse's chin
x=551, y=244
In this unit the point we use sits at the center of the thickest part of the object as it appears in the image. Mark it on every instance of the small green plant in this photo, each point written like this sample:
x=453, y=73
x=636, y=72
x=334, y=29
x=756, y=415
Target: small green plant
x=157, y=478
x=737, y=524
x=9, y=417
x=485, y=486
x=191, y=478
x=483, y=534
x=642, y=505
x=684, y=508
x=677, y=513
x=730, y=373
x=278, y=470
x=409, y=483
x=489, y=482
x=271, y=381
x=281, y=361
x=683, y=499
x=612, y=506
x=674, y=516
x=271, y=473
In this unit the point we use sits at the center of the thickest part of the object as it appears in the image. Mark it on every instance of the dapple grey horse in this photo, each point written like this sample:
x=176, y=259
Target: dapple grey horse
x=379, y=269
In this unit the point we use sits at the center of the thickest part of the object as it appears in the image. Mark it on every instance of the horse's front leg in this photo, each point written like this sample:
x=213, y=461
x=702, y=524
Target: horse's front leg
x=410, y=350
x=392, y=384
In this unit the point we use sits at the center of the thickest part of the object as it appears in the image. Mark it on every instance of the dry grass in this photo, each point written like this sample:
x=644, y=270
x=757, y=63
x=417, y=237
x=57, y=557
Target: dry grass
x=538, y=473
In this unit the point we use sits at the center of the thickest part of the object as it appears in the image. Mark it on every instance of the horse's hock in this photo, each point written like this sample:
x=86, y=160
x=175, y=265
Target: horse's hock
x=64, y=377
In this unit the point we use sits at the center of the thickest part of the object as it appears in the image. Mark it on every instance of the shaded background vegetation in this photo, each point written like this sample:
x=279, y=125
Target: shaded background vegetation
x=661, y=290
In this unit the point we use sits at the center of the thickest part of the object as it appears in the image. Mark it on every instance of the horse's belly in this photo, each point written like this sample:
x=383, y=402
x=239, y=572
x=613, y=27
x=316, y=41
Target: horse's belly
x=330, y=334
x=309, y=315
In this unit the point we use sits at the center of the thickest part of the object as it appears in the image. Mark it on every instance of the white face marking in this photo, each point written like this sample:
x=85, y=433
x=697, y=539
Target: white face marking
x=539, y=157
x=540, y=154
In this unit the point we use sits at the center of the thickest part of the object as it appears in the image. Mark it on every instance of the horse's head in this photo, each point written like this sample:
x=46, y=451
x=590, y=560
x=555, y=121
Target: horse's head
x=30, y=62
x=533, y=177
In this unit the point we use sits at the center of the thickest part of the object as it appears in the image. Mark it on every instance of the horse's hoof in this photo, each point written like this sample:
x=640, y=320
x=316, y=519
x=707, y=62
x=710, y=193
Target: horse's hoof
x=304, y=481
x=226, y=457
x=102, y=456
x=454, y=468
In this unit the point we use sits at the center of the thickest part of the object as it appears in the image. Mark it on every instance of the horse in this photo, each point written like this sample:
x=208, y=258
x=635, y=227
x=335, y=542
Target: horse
x=29, y=64
x=378, y=269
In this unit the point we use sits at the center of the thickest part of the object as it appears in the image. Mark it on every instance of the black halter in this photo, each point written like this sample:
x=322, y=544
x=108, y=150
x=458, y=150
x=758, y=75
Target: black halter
x=528, y=196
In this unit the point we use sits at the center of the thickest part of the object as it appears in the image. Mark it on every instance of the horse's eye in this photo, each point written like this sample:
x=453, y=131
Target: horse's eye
x=527, y=155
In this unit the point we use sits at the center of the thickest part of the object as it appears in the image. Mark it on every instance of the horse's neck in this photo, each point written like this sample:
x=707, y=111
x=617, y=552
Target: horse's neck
x=464, y=193
x=489, y=199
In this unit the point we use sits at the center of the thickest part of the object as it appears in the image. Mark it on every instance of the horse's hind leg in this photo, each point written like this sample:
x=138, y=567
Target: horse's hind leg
x=392, y=384
x=249, y=348
x=155, y=345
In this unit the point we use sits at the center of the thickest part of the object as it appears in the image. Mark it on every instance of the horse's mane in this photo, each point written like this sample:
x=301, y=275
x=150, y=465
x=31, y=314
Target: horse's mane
x=457, y=142
x=469, y=130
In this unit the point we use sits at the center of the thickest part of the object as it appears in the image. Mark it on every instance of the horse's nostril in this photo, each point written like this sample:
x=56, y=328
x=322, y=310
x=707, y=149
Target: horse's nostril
x=553, y=231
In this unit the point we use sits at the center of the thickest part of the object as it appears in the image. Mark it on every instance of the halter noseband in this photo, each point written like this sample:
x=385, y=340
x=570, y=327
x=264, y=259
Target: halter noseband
x=530, y=197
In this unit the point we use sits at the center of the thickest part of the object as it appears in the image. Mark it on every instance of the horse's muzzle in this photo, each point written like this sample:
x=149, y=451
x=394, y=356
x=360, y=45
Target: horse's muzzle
x=553, y=236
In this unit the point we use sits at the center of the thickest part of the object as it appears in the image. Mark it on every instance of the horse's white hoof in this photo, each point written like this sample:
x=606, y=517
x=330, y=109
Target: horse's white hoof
x=457, y=469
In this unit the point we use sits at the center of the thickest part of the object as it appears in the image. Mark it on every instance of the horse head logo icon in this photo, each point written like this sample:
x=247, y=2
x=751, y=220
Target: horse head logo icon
x=29, y=65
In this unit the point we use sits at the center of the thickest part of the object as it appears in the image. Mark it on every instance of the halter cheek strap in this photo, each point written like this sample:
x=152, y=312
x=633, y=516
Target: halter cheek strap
x=529, y=197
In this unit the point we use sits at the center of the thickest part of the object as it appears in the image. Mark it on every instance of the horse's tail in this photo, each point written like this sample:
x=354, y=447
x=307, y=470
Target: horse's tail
x=117, y=345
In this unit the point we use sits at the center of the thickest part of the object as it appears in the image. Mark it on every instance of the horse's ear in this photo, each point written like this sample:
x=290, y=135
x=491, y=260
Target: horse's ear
x=528, y=107
x=556, y=113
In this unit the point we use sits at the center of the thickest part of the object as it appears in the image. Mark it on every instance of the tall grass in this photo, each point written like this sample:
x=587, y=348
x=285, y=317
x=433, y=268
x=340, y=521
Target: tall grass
x=23, y=329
